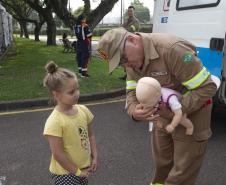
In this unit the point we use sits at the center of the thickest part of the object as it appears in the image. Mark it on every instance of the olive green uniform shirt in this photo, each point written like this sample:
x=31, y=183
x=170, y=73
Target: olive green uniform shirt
x=132, y=24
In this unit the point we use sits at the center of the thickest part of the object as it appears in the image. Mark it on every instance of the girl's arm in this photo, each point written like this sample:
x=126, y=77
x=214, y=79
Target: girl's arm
x=93, y=146
x=56, y=146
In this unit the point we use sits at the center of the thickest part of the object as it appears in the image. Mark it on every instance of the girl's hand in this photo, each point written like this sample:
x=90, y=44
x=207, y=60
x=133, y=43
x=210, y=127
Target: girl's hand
x=84, y=173
x=93, y=166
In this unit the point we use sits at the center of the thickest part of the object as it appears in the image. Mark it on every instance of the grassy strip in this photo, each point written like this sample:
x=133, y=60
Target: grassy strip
x=22, y=72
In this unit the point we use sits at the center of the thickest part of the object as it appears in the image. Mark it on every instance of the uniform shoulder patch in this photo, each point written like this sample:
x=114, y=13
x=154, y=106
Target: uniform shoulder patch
x=187, y=57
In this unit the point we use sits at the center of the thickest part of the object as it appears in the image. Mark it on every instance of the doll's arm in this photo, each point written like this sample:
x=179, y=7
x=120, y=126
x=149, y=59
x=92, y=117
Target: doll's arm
x=175, y=121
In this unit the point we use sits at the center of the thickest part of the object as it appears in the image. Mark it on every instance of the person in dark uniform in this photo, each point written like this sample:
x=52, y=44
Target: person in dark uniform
x=83, y=48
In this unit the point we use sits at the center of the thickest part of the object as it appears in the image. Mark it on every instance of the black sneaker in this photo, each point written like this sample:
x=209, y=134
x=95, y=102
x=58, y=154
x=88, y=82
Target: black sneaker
x=85, y=75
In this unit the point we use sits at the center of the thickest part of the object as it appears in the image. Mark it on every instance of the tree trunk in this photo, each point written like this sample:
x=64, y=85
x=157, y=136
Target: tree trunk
x=21, y=30
x=93, y=16
x=51, y=31
x=37, y=30
x=46, y=14
x=38, y=27
x=24, y=26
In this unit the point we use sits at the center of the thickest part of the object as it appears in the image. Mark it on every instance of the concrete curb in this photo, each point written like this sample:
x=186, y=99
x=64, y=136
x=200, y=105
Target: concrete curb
x=13, y=105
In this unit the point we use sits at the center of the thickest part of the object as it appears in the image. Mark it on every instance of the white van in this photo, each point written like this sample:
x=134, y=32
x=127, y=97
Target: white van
x=202, y=22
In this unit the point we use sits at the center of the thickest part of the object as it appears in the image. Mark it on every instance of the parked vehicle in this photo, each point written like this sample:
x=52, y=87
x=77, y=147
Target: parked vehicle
x=202, y=22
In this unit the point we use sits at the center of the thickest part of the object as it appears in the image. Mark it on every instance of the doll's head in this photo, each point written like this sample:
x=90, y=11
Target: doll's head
x=148, y=91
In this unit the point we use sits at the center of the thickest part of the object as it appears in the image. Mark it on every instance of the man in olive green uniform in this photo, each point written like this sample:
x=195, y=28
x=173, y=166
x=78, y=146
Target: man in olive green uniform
x=174, y=63
x=132, y=24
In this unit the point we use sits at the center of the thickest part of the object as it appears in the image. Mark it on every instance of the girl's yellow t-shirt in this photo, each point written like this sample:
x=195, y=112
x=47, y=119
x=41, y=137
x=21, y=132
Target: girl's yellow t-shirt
x=74, y=132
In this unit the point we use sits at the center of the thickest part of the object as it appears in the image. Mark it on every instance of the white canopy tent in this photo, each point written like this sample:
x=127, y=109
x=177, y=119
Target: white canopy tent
x=6, y=30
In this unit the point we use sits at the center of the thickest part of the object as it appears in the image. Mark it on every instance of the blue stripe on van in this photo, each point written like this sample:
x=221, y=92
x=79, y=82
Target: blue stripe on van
x=211, y=60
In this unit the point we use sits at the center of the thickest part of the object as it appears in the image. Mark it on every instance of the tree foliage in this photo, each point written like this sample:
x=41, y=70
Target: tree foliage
x=23, y=13
x=78, y=11
x=93, y=16
x=46, y=8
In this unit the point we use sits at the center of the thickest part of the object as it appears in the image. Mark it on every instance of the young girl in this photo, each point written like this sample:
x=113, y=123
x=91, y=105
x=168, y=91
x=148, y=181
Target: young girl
x=68, y=130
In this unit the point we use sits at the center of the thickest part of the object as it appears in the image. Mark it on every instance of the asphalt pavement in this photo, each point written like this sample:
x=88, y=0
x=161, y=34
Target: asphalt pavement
x=123, y=147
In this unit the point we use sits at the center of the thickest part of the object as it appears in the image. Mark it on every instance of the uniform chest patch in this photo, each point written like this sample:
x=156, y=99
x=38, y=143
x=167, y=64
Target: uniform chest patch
x=187, y=58
x=158, y=73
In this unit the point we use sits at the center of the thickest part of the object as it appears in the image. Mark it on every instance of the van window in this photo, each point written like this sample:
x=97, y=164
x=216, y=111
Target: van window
x=193, y=4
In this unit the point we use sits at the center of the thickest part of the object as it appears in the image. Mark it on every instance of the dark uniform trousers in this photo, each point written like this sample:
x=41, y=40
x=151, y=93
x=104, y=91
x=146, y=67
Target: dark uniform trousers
x=82, y=54
x=187, y=152
x=83, y=47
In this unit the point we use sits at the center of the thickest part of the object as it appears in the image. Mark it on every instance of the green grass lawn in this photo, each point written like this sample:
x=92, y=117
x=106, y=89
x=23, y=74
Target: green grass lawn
x=22, y=71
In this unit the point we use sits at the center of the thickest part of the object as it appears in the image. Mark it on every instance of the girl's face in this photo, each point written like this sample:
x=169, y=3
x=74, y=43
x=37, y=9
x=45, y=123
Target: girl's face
x=69, y=94
x=83, y=20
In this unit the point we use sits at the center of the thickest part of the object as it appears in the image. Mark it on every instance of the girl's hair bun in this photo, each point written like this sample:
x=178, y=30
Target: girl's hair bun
x=51, y=67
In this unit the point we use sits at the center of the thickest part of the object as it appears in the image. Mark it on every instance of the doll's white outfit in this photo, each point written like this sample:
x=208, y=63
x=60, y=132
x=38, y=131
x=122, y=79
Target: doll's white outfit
x=171, y=98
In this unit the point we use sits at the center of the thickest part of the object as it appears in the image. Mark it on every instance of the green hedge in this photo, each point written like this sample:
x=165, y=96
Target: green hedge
x=98, y=31
x=43, y=32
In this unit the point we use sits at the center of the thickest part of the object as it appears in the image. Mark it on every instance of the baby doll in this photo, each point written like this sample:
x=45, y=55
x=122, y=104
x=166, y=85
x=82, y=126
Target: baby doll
x=149, y=93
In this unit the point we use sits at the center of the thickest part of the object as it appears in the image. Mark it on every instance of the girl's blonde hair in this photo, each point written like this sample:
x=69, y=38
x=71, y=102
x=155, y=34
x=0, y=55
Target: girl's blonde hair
x=56, y=78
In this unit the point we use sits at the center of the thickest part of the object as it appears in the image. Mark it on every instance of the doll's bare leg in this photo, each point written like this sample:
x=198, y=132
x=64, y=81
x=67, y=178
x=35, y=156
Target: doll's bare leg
x=187, y=124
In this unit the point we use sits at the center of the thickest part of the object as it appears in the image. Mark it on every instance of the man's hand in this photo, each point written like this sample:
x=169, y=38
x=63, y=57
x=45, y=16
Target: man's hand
x=144, y=114
x=165, y=112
